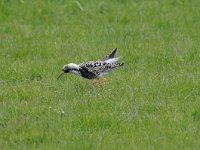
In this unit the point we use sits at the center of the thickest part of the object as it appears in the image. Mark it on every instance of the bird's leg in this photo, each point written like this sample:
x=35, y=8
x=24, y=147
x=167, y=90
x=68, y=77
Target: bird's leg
x=99, y=82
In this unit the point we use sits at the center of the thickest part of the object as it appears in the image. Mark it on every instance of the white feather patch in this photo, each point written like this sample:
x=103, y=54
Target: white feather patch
x=113, y=60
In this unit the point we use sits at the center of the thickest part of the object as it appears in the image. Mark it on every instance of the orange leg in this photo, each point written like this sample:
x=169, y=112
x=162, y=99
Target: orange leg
x=99, y=82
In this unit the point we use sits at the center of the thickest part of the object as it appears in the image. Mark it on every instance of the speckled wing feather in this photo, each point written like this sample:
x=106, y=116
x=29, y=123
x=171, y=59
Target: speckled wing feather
x=99, y=66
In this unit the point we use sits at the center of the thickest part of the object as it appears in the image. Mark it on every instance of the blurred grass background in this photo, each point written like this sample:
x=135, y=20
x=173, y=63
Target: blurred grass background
x=153, y=102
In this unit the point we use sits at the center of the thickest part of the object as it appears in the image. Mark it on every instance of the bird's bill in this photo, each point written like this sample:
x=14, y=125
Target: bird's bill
x=60, y=75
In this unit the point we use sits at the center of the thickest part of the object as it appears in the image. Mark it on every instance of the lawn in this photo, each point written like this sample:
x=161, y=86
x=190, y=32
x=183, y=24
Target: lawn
x=152, y=102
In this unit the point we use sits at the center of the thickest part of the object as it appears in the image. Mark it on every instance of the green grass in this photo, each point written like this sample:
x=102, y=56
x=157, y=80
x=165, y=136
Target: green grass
x=153, y=102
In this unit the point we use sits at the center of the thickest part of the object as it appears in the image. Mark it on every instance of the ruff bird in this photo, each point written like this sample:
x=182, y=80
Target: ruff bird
x=93, y=69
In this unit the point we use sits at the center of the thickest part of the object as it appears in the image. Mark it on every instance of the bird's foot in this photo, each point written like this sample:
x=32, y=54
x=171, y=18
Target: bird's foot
x=99, y=82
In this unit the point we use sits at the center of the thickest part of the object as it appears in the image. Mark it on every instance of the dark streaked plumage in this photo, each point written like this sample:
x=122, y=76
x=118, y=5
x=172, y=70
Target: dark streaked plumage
x=93, y=69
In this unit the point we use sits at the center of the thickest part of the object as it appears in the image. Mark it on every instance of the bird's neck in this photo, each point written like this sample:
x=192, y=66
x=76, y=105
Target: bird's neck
x=73, y=66
x=75, y=71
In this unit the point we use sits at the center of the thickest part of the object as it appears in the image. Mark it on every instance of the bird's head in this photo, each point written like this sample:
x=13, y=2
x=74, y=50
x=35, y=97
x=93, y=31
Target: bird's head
x=68, y=68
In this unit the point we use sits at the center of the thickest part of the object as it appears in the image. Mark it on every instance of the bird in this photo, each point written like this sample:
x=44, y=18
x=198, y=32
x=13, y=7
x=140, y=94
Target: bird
x=93, y=69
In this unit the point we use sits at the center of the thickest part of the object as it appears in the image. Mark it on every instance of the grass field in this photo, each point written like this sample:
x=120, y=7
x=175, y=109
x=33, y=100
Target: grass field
x=153, y=102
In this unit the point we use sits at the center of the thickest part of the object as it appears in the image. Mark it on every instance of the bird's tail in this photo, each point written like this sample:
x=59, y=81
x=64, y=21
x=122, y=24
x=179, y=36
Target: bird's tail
x=113, y=60
x=109, y=56
x=119, y=64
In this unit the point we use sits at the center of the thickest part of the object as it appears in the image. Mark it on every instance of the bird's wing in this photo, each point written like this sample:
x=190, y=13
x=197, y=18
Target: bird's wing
x=92, y=66
x=109, y=56
x=99, y=66
x=106, y=67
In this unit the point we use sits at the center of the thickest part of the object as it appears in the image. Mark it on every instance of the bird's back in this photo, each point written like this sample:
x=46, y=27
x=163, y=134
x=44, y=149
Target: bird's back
x=100, y=66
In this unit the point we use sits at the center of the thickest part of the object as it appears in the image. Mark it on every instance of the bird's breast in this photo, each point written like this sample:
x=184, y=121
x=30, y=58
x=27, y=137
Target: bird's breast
x=75, y=72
